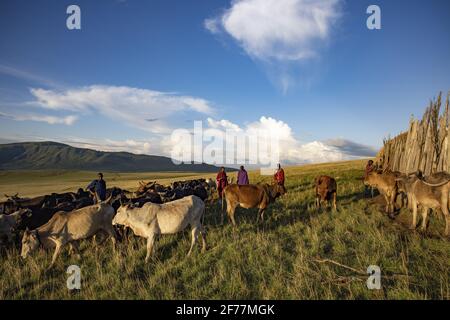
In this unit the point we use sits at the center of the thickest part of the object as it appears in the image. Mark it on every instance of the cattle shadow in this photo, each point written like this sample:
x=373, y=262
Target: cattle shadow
x=275, y=216
x=351, y=197
x=279, y=214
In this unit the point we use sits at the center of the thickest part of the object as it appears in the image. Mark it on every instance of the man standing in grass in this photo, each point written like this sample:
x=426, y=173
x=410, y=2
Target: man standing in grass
x=279, y=176
x=222, y=181
x=242, y=176
x=369, y=168
x=98, y=188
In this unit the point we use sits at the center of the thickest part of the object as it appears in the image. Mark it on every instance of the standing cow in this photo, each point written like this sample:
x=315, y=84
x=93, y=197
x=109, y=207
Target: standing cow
x=10, y=222
x=386, y=183
x=67, y=228
x=428, y=196
x=211, y=184
x=250, y=196
x=168, y=218
x=326, y=190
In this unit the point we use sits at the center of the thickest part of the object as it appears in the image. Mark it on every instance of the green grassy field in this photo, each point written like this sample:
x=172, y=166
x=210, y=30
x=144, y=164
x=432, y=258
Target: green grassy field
x=294, y=254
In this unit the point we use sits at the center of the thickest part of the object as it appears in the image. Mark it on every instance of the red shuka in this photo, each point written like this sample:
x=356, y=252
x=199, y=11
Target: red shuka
x=279, y=177
x=222, y=182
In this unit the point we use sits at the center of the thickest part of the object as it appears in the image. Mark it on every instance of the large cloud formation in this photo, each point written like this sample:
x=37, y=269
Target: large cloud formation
x=289, y=149
x=278, y=31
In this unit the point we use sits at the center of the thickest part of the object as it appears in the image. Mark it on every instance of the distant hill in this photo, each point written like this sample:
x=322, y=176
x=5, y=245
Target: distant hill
x=53, y=155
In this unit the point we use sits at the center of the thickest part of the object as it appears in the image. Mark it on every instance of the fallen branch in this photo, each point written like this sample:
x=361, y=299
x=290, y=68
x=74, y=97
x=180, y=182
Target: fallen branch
x=340, y=265
x=361, y=277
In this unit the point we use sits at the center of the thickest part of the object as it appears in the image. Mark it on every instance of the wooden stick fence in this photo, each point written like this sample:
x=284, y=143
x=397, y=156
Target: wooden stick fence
x=425, y=146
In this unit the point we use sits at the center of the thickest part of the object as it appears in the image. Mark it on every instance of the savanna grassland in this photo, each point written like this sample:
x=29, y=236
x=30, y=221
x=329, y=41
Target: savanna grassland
x=297, y=253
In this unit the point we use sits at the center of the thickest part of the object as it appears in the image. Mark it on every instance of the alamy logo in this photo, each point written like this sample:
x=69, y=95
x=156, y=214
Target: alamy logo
x=74, y=279
x=73, y=21
x=374, y=20
x=374, y=280
x=259, y=147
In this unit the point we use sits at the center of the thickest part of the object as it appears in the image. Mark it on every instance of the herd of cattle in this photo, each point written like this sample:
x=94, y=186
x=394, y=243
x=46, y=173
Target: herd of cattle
x=59, y=219
x=51, y=221
x=414, y=190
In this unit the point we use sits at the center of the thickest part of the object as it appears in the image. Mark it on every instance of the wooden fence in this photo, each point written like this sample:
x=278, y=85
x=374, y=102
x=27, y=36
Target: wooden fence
x=425, y=146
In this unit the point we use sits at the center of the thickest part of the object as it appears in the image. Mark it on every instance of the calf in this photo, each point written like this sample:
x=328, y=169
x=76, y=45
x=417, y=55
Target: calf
x=387, y=185
x=326, y=190
x=168, y=218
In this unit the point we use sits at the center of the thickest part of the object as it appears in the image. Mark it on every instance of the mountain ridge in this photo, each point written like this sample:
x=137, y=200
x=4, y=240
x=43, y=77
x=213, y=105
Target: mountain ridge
x=55, y=155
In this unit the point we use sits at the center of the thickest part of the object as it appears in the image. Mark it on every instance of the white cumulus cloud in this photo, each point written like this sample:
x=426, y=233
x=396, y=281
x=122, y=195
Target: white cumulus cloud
x=278, y=31
x=290, y=149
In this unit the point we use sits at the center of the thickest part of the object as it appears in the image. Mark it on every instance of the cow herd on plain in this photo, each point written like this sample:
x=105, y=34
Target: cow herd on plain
x=58, y=220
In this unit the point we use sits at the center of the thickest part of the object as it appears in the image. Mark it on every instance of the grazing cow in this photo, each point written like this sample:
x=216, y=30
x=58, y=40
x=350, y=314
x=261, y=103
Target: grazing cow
x=168, y=218
x=211, y=184
x=144, y=187
x=14, y=203
x=385, y=183
x=428, y=195
x=326, y=190
x=200, y=191
x=8, y=206
x=250, y=196
x=36, y=202
x=39, y=217
x=67, y=228
x=9, y=223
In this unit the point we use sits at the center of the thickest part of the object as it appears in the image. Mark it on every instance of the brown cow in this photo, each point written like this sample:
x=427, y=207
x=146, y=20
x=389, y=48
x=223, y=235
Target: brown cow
x=428, y=196
x=250, y=196
x=326, y=190
x=386, y=183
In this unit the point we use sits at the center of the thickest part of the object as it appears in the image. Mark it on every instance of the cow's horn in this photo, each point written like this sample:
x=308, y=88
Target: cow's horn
x=108, y=201
x=435, y=184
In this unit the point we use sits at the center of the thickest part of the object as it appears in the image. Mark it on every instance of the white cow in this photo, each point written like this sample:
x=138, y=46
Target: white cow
x=168, y=218
x=69, y=227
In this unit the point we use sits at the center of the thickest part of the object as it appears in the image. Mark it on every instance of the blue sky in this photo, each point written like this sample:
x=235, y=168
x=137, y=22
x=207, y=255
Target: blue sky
x=139, y=69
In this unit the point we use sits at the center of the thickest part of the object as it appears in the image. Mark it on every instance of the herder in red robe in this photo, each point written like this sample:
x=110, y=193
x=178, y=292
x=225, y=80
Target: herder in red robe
x=222, y=181
x=279, y=176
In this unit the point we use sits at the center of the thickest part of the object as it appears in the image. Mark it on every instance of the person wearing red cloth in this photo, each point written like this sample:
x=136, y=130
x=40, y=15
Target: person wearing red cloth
x=222, y=181
x=279, y=176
